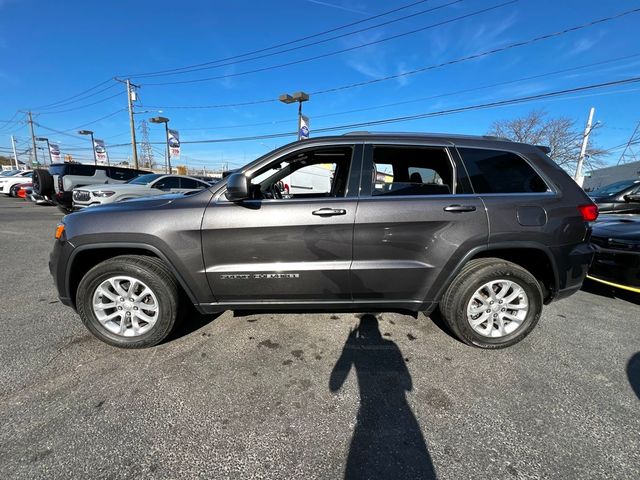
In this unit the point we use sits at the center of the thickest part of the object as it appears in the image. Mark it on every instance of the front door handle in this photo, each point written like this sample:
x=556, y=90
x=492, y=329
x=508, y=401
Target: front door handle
x=329, y=212
x=460, y=208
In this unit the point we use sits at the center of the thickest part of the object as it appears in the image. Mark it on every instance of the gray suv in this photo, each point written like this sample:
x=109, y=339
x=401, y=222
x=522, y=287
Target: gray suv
x=484, y=229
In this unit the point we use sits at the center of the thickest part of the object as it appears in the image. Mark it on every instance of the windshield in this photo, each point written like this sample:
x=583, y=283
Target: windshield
x=612, y=188
x=8, y=173
x=145, y=179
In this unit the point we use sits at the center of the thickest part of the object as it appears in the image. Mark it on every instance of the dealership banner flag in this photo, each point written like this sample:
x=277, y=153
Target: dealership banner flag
x=174, y=143
x=101, y=151
x=304, y=127
x=54, y=151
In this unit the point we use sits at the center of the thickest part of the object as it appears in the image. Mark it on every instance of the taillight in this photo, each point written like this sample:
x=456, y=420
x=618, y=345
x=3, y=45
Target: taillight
x=60, y=184
x=589, y=212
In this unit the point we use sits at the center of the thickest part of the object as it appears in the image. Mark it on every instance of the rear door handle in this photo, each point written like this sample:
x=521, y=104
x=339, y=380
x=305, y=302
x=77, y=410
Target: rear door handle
x=329, y=212
x=460, y=208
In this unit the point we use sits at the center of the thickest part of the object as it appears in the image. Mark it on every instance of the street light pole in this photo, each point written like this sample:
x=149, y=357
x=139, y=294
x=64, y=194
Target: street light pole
x=296, y=97
x=43, y=139
x=93, y=145
x=164, y=120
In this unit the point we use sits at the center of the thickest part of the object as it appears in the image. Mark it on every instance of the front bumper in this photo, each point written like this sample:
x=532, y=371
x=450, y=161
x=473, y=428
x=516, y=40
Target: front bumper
x=58, y=261
x=616, y=266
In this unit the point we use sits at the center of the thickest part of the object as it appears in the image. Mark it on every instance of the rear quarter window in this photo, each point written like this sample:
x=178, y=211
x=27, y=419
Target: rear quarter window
x=499, y=171
x=117, y=173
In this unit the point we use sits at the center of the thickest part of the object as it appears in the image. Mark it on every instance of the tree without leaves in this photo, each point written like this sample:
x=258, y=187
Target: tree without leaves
x=560, y=134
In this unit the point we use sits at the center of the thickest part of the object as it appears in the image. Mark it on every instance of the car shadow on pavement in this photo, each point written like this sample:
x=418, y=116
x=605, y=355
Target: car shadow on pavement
x=190, y=321
x=387, y=441
x=633, y=373
x=596, y=288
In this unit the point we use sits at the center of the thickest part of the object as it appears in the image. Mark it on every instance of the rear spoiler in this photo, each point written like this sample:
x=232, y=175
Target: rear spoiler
x=544, y=148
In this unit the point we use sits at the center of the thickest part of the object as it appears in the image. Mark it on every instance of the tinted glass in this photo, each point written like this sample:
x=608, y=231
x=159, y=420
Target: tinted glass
x=121, y=173
x=496, y=171
x=145, y=179
x=613, y=188
x=167, y=183
x=74, y=169
x=191, y=184
x=411, y=171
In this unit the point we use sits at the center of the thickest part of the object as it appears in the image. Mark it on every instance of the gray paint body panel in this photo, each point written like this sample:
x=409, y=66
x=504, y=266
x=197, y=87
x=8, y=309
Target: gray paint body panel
x=384, y=252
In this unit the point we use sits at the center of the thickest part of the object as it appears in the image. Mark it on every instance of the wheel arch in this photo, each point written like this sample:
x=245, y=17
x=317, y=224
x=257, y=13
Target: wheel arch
x=85, y=257
x=534, y=257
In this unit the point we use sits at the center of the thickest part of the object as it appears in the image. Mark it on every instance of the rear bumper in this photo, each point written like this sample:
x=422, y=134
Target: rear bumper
x=572, y=263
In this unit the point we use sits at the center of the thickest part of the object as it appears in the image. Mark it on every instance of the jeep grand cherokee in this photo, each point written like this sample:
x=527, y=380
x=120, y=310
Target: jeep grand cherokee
x=484, y=229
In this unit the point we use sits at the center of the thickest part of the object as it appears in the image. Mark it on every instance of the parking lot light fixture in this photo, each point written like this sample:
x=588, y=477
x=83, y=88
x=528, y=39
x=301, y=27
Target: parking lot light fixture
x=299, y=97
x=43, y=139
x=93, y=145
x=164, y=120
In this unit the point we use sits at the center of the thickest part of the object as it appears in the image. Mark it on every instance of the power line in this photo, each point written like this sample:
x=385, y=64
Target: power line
x=421, y=69
x=344, y=50
x=80, y=99
x=405, y=118
x=306, y=45
x=82, y=106
x=284, y=44
x=96, y=121
x=482, y=54
x=421, y=99
x=42, y=107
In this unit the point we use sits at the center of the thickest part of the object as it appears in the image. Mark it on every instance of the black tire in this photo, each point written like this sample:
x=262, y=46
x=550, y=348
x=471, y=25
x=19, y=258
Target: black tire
x=474, y=275
x=42, y=182
x=13, y=190
x=150, y=270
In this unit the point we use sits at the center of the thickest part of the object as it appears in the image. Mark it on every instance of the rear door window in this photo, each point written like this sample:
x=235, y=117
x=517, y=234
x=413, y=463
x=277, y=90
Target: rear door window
x=411, y=171
x=498, y=171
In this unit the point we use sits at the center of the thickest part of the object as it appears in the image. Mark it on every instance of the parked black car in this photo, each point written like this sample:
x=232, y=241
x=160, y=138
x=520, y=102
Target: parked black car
x=619, y=197
x=617, y=259
x=483, y=229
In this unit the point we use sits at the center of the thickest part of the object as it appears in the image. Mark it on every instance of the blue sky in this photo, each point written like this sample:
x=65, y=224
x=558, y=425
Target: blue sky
x=50, y=51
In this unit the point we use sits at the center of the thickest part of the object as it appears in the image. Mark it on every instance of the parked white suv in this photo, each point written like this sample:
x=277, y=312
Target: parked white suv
x=142, y=186
x=6, y=182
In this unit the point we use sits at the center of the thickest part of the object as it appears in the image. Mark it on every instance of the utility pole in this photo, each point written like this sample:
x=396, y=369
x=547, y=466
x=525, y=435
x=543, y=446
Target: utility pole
x=130, y=95
x=15, y=153
x=583, y=151
x=33, y=139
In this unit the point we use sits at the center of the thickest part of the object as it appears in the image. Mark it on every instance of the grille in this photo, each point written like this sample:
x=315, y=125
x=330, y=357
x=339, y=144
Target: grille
x=81, y=195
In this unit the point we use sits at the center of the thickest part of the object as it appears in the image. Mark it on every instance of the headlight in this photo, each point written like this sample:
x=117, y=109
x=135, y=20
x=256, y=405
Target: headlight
x=103, y=193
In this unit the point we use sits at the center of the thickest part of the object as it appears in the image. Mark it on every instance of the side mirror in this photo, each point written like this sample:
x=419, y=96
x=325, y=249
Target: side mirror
x=635, y=198
x=238, y=187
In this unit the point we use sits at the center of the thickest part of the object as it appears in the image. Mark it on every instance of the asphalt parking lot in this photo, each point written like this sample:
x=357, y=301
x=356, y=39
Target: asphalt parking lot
x=294, y=396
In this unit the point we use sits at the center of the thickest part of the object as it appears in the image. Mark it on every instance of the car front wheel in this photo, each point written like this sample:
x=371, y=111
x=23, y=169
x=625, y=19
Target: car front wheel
x=492, y=303
x=129, y=301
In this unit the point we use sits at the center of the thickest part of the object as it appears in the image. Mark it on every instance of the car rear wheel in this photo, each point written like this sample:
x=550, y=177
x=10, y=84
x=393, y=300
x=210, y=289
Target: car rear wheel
x=492, y=303
x=129, y=301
